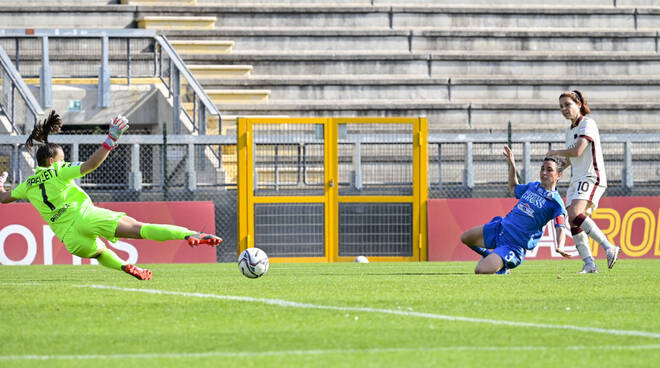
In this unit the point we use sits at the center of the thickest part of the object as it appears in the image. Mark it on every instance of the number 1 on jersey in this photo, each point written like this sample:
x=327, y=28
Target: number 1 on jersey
x=45, y=197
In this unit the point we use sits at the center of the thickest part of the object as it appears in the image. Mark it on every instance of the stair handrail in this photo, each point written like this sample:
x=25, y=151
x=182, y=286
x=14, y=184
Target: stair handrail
x=187, y=74
x=165, y=46
x=23, y=90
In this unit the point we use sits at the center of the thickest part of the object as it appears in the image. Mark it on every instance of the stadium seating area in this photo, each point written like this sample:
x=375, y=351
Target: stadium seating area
x=471, y=65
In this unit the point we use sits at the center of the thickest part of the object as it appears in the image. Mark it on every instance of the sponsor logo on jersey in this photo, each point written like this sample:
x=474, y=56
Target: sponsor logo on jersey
x=59, y=213
x=533, y=198
x=526, y=209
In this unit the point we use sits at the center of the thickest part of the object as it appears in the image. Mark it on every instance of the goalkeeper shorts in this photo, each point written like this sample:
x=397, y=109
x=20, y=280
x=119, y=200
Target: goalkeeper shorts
x=82, y=237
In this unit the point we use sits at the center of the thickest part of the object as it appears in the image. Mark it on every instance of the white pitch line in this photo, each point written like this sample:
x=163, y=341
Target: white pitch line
x=286, y=303
x=240, y=354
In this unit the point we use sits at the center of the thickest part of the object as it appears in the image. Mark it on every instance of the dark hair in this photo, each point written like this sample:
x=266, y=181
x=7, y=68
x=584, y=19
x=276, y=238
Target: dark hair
x=560, y=163
x=578, y=98
x=52, y=124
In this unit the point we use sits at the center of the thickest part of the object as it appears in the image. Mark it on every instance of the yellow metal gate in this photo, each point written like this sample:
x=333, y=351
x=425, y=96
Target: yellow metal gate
x=330, y=189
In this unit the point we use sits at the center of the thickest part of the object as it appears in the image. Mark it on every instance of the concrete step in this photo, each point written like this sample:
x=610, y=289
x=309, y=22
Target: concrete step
x=60, y=15
x=296, y=39
x=202, y=47
x=478, y=116
x=445, y=64
x=320, y=63
x=346, y=16
x=545, y=63
x=455, y=88
x=210, y=72
x=578, y=40
x=440, y=65
x=604, y=3
x=238, y=96
x=176, y=22
x=160, y=2
x=424, y=16
x=488, y=16
x=228, y=121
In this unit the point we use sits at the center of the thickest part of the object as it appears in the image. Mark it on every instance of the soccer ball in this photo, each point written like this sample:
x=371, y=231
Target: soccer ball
x=361, y=259
x=253, y=263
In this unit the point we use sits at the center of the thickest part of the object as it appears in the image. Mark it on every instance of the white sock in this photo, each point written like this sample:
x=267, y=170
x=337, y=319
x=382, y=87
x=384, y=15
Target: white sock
x=581, y=240
x=590, y=227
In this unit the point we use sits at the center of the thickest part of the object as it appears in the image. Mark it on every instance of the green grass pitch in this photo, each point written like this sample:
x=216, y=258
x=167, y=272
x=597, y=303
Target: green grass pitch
x=332, y=315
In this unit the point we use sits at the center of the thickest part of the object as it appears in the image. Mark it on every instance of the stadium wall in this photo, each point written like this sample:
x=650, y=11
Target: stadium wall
x=26, y=239
x=633, y=223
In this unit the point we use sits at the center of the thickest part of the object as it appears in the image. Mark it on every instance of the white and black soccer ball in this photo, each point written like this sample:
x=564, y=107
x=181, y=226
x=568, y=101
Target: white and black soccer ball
x=253, y=263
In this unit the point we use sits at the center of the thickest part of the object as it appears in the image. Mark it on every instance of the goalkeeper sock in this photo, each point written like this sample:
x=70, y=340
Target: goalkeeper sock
x=160, y=232
x=109, y=259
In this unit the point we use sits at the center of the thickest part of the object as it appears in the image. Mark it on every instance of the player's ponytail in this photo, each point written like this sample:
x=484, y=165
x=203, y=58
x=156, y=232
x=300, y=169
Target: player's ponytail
x=52, y=124
x=578, y=98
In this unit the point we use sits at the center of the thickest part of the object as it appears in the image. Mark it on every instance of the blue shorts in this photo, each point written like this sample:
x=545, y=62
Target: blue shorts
x=495, y=238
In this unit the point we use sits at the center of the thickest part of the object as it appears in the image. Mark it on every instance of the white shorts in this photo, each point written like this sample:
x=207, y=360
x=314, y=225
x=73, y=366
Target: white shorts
x=585, y=189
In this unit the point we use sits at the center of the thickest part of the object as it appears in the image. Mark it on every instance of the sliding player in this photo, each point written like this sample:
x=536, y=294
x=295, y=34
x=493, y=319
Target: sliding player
x=588, y=180
x=69, y=211
x=503, y=242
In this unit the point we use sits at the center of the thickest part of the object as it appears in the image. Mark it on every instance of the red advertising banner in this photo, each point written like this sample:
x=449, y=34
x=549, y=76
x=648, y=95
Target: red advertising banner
x=633, y=223
x=26, y=239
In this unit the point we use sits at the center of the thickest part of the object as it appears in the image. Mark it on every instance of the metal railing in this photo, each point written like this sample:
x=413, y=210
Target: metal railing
x=142, y=162
x=106, y=53
x=461, y=163
x=25, y=108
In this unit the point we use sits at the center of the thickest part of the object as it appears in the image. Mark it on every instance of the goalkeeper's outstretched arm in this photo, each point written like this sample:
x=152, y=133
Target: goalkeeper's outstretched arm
x=117, y=127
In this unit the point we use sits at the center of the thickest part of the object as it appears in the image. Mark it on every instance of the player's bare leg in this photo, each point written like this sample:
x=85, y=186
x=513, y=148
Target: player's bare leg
x=474, y=238
x=489, y=264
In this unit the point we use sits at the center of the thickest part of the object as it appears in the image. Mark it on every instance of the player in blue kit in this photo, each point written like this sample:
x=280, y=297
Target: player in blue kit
x=503, y=242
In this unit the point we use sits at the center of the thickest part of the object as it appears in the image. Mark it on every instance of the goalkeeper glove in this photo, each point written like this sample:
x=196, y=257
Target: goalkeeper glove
x=117, y=127
x=3, y=178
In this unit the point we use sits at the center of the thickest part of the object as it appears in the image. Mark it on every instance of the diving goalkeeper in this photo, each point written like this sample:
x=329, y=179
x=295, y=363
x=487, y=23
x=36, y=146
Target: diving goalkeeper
x=69, y=211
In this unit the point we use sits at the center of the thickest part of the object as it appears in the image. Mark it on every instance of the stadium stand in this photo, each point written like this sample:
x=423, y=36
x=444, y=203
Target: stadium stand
x=469, y=65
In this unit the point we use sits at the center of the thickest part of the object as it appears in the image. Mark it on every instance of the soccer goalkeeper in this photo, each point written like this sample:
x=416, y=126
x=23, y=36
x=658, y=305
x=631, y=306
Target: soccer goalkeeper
x=69, y=211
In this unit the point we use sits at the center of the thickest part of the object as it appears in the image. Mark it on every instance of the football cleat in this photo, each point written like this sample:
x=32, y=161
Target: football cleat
x=589, y=269
x=137, y=272
x=612, y=255
x=201, y=238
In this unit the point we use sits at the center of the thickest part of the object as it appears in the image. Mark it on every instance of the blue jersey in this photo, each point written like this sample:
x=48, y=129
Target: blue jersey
x=535, y=208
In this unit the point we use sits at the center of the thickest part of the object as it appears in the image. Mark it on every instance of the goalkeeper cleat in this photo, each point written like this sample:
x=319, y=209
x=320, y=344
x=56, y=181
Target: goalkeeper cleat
x=612, y=255
x=201, y=238
x=137, y=272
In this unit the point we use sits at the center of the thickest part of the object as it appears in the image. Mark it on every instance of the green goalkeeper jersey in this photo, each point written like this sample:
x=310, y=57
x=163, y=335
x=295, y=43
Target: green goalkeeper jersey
x=52, y=191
